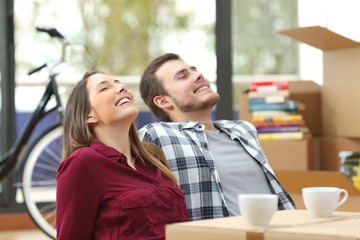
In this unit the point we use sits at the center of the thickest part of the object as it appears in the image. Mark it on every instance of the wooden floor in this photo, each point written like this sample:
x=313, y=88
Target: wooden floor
x=19, y=226
x=23, y=235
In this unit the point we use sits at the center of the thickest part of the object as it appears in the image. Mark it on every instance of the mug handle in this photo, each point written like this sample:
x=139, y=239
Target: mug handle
x=344, y=198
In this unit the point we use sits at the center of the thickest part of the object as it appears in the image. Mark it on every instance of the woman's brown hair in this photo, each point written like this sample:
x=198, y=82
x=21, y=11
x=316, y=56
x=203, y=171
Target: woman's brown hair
x=78, y=134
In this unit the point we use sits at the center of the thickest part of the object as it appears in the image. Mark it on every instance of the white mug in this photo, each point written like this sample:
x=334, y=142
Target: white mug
x=322, y=201
x=257, y=209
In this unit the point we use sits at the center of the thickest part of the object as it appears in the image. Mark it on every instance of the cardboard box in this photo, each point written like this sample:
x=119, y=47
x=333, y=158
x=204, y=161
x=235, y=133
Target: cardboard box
x=294, y=181
x=340, y=91
x=307, y=93
x=290, y=224
x=330, y=148
x=244, y=113
x=292, y=155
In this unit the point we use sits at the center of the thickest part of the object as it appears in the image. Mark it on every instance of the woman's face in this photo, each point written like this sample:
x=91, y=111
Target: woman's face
x=110, y=102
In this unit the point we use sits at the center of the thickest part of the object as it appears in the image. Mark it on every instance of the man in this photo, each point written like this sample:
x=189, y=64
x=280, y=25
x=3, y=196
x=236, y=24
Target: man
x=214, y=161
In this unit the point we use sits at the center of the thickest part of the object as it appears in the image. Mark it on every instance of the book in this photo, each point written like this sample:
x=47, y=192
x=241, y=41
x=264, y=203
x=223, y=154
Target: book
x=269, y=83
x=253, y=94
x=267, y=124
x=281, y=136
x=287, y=118
x=279, y=129
x=278, y=118
x=350, y=164
x=268, y=88
x=289, y=105
x=269, y=114
x=267, y=99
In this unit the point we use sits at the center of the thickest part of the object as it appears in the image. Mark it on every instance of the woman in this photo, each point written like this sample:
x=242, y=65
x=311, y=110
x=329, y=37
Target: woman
x=111, y=185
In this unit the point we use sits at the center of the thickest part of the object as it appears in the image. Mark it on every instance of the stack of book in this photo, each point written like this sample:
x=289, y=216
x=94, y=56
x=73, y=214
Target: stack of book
x=350, y=164
x=274, y=114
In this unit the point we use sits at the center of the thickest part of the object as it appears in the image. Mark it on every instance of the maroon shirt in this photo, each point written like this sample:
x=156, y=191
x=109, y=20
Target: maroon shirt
x=99, y=196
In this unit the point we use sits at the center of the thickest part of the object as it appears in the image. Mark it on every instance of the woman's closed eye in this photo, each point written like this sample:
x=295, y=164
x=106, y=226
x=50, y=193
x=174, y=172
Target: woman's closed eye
x=103, y=88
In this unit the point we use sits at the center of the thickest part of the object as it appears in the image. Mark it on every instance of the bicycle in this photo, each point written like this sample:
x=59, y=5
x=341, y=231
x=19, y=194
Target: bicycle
x=38, y=163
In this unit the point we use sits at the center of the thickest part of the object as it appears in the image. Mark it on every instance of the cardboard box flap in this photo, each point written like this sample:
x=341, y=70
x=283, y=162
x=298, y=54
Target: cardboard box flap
x=304, y=86
x=294, y=181
x=320, y=38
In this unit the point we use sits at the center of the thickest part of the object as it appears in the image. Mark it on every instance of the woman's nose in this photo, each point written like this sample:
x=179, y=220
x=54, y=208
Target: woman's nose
x=121, y=88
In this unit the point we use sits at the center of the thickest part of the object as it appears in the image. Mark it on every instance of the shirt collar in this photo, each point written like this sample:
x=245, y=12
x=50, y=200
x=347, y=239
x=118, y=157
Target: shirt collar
x=192, y=125
x=110, y=152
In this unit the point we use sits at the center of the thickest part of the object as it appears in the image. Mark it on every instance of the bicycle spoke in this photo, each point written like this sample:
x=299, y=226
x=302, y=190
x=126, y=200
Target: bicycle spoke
x=39, y=179
x=38, y=176
x=44, y=183
x=47, y=167
x=55, y=155
x=48, y=207
x=50, y=215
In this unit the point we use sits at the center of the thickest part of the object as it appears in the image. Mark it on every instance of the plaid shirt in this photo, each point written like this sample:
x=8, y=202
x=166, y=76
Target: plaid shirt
x=186, y=149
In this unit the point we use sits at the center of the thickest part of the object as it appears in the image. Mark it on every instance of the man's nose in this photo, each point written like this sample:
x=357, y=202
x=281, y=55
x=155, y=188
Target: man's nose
x=199, y=76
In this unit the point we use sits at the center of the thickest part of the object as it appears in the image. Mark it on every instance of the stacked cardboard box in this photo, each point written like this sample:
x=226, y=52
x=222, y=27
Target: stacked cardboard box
x=334, y=114
x=340, y=91
x=292, y=155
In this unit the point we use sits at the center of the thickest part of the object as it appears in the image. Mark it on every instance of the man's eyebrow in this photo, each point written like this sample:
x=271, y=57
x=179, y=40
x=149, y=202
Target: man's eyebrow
x=117, y=81
x=180, y=71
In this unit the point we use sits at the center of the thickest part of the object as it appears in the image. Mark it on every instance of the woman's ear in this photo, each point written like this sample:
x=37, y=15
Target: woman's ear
x=91, y=119
x=162, y=102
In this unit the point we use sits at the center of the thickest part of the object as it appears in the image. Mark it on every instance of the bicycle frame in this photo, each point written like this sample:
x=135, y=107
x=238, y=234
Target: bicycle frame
x=29, y=164
x=11, y=157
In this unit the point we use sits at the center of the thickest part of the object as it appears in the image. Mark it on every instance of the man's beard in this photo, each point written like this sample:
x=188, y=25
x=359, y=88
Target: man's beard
x=209, y=104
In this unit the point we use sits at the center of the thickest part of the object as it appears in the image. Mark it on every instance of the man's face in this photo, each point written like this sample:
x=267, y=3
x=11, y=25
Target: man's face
x=188, y=90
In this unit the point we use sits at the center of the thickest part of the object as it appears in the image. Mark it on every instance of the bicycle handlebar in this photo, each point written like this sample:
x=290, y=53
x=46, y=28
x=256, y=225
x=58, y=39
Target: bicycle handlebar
x=37, y=69
x=52, y=33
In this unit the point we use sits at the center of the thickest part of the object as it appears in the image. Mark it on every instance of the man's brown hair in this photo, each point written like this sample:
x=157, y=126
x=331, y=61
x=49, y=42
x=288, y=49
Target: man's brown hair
x=150, y=86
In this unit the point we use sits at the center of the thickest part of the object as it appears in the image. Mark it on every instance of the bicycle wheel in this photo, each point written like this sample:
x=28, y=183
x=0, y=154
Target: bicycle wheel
x=42, y=159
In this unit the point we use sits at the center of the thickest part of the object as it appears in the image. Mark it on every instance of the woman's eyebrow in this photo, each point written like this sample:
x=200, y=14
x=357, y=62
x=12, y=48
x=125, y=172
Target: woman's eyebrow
x=100, y=83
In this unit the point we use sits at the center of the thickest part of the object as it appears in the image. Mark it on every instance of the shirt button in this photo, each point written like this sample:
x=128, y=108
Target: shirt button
x=173, y=209
x=205, y=145
x=159, y=185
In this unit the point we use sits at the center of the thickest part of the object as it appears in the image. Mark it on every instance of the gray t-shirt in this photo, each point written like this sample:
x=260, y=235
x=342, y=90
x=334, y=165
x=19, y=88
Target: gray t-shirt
x=238, y=171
